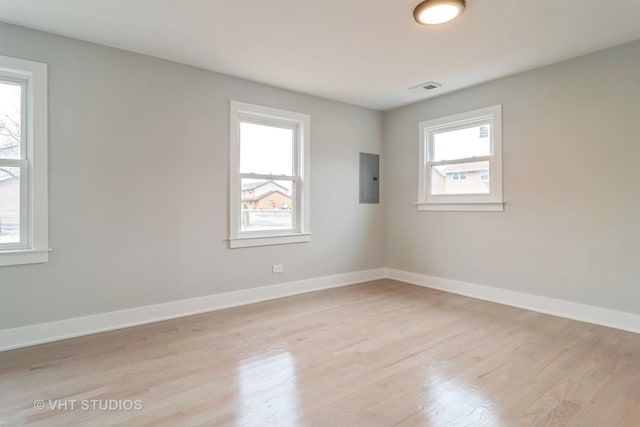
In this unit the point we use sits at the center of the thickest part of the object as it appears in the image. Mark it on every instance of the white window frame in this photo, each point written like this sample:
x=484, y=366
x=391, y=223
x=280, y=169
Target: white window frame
x=461, y=202
x=301, y=123
x=34, y=226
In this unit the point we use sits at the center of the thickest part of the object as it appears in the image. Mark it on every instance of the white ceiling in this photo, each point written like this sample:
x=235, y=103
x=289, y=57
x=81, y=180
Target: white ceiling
x=365, y=52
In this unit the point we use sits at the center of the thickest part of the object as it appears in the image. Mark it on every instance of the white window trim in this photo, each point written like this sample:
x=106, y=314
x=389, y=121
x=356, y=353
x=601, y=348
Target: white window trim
x=36, y=249
x=303, y=231
x=491, y=202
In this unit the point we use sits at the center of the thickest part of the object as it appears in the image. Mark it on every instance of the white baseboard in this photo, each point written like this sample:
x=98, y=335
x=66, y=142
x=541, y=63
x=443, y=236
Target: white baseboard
x=69, y=328
x=585, y=313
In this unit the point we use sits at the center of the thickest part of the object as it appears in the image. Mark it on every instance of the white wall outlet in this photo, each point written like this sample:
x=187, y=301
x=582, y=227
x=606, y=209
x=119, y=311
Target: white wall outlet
x=277, y=268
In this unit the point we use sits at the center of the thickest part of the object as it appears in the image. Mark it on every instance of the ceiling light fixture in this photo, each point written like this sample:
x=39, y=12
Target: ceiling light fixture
x=435, y=12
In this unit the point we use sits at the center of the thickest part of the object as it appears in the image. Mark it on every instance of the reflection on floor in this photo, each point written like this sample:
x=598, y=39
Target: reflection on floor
x=268, y=382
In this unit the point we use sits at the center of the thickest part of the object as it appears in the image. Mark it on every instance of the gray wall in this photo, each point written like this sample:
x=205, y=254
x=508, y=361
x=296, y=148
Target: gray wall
x=138, y=185
x=571, y=225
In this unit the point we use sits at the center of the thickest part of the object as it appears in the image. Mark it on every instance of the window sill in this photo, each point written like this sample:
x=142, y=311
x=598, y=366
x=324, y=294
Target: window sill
x=283, y=239
x=20, y=257
x=462, y=207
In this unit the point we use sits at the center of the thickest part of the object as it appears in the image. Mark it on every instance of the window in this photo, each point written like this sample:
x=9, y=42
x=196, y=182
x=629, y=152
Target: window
x=459, y=176
x=23, y=162
x=461, y=162
x=269, y=194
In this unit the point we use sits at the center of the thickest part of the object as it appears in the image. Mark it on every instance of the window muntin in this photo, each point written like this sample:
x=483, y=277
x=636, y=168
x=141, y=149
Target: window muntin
x=269, y=175
x=458, y=154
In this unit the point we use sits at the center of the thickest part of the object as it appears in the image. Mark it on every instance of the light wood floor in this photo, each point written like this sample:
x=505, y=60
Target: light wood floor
x=376, y=354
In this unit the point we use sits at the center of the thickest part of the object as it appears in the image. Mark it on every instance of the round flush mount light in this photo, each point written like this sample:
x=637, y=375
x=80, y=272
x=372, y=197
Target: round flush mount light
x=435, y=12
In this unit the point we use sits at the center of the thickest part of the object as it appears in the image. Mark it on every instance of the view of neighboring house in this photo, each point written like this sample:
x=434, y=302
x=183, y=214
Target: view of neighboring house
x=9, y=195
x=265, y=195
x=462, y=178
x=9, y=205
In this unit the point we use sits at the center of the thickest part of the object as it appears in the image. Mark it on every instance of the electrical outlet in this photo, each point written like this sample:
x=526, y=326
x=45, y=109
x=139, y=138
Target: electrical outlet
x=277, y=268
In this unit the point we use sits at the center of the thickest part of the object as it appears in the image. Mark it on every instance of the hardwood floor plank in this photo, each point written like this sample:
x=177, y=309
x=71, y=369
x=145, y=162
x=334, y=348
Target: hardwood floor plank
x=376, y=354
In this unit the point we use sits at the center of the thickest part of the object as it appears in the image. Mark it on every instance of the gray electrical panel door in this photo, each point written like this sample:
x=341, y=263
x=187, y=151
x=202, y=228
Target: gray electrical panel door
x=369, y=178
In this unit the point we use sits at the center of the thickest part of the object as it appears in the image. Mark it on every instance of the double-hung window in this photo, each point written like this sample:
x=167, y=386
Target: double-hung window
x=460, y=167
x=269, y=182
x=23, y=162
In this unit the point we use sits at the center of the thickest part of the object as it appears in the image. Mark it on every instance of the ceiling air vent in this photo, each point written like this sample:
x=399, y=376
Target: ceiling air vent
x=425, y=87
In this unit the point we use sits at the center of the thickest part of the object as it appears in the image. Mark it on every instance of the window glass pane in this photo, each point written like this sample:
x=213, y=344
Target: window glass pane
x=10, y=120
x=267, y=205
x=462, y=178
x=473, y=141
x=9, y=205
x=266, y=149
